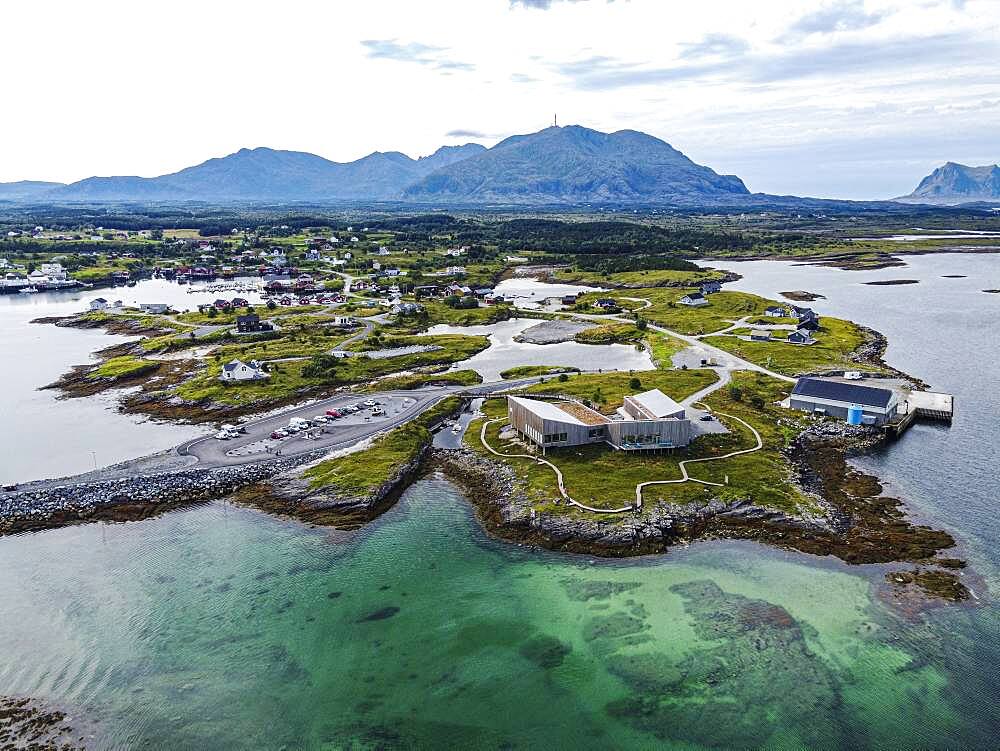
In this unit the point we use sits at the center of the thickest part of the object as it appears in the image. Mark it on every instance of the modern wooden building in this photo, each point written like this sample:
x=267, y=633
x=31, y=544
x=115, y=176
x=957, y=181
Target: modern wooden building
x=647, y=421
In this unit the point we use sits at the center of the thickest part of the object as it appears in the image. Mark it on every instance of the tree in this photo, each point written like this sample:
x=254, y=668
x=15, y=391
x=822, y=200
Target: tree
x=212, y=312
x=736, y=393
x=640, y=323
x=563, y=378
x=757, y=401
x=634, y=383
x=271, y=305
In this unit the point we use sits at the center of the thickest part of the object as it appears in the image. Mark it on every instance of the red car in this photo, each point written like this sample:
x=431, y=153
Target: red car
x=334, y=412
x=278, y=434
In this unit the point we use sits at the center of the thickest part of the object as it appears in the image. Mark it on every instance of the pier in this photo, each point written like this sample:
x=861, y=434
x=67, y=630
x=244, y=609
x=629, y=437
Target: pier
x=928, y=405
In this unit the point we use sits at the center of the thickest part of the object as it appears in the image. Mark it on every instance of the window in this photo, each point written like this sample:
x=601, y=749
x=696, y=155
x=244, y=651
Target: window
x=595, y=432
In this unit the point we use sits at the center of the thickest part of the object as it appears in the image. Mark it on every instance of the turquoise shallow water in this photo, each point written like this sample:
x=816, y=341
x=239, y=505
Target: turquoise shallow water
x=219, y=627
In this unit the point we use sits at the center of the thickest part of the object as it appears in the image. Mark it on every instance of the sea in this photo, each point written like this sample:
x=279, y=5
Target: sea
x=221, y=627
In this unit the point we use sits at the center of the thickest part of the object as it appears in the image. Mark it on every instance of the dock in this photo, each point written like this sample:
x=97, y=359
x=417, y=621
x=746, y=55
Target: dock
x=928, y=405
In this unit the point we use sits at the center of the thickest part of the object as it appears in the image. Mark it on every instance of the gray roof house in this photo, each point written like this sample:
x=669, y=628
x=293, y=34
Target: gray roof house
x=835, y=398
x=694, y=299
x=239, y=372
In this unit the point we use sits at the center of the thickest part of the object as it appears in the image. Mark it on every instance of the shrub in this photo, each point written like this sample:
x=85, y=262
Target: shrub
x=736, y=393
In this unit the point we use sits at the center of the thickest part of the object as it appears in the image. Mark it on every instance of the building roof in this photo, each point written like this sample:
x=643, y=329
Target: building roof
x=694, y=296
x=849, y=393
x=656, y=403
x=546, y=410
x=98, y=299
x=775, y=309
x=232, y=365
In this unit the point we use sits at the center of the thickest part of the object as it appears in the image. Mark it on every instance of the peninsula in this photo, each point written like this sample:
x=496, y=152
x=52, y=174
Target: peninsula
x=328, y=389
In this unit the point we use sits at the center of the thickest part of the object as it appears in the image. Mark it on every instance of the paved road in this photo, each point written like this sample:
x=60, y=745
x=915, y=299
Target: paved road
x=256, y=445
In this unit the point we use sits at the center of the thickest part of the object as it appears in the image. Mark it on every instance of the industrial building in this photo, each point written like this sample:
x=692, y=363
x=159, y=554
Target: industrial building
x=849, y=401
x=651, y=420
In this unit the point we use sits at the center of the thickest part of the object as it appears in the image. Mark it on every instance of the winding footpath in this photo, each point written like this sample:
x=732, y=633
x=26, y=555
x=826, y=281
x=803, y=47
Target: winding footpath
x=685, y=477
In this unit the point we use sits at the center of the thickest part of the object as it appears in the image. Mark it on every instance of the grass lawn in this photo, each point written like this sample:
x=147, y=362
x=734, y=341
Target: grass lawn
x=611, y=333
x=835, y=341
x=599, y=476
x=288, y=380
x=606, y=391
x=663, y=347
x=636, y=279
x=723, y=307
x=229, y=317
x=527, y=371
x=126, y=366
x=438, y=312
x=365, y=471
x=418, y=380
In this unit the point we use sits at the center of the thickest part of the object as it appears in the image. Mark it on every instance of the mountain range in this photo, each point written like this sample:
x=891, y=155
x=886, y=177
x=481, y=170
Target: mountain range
x=569, y=164
x=954, y=184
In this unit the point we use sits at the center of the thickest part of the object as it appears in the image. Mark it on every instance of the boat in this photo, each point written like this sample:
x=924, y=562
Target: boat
x=29, y=290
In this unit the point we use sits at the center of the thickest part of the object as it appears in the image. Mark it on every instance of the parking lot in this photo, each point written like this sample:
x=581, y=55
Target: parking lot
x=360, y=417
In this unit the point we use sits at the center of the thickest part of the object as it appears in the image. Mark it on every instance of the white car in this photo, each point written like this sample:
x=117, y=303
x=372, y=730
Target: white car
x=371, y=403
x=321, y=419
x=224, y=435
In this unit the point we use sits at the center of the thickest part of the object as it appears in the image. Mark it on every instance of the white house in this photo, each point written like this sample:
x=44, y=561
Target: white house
x=154, y=307
x=99, y=304
x=694, y=299
x=54, y=271
x=775, y=312
x=240, y=371
x=313, y=254
x=454, y=270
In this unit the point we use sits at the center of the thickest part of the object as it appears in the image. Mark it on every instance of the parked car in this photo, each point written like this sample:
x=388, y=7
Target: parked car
x=320, y=420
x=371, y=403
x=279, y=434
x=234, y=428
x=706, y=418
x=334, y=413
x=223, y=435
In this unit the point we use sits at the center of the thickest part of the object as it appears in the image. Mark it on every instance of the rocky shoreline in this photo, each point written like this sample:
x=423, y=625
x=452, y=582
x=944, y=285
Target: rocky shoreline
x=855, y=522
x=130, y=497
x=26, y=723
x=290, y=494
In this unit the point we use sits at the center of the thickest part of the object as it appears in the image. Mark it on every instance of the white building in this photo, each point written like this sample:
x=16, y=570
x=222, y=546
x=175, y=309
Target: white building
x=99, y=304
x=240, y=371
x=693, y=299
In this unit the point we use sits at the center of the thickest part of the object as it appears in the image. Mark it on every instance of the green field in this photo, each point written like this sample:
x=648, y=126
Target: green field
x=604, y=478
x=835, y=341
x=125, y=366
x=637, y=279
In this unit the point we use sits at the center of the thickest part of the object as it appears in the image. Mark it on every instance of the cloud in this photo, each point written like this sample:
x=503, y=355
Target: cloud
x=522, y=78
x=413, y=52
x=942, y=51
x=543, y=4
x=465, y=133
x=715, y=45
x=842, y=15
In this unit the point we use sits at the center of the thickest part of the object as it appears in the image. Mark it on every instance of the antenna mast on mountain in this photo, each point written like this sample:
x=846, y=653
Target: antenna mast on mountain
x=555, y=121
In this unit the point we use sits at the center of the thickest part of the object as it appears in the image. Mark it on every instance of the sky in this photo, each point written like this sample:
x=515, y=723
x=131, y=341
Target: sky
x=827, y=98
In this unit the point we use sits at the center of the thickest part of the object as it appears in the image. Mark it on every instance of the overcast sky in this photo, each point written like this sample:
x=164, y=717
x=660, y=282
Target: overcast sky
x=830, y=98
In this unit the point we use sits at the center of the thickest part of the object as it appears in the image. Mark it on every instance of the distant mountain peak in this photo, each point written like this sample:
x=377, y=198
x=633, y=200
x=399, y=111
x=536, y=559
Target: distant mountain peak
x=575, y=164
x=953, y=183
